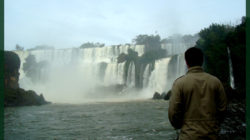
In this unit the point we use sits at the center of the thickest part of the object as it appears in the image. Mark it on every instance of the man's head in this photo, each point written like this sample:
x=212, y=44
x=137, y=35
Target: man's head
x=194, y=57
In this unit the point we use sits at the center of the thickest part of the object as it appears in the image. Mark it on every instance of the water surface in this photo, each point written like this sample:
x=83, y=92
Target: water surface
x=130, y=120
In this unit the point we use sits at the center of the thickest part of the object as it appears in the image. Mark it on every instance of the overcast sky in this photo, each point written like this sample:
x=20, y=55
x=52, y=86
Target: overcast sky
x=70, y=23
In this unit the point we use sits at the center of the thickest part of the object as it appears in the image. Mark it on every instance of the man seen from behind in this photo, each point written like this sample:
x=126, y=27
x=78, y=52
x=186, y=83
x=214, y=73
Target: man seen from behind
x=197, y=101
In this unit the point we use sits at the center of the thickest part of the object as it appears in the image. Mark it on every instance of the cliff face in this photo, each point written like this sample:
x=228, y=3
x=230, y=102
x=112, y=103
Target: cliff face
x=14, y=95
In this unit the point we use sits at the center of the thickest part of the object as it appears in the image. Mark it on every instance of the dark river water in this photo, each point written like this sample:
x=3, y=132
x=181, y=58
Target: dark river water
x=130, y=120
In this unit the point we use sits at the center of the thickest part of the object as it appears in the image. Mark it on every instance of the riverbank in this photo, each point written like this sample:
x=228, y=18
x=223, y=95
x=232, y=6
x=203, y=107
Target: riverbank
x=21, y=97
x=234, y=124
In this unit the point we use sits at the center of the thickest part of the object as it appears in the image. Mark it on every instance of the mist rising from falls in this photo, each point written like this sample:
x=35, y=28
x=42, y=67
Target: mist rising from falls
x=175, y=48
x=77, y=75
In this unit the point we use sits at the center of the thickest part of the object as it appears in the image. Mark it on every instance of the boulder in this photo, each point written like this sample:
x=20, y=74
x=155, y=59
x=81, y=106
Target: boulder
x=166, y=96
x=157, y=96
x=21, y=97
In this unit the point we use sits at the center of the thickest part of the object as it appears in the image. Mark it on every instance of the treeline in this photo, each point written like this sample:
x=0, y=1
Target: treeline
x=91, y=45
x=39, y=47
x=151, y=42
x=215, y=41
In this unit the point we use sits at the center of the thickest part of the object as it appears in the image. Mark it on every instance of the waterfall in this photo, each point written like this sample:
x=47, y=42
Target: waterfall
x=230, y=69
x=76, y=73
x=164, y=74
x=158, y=78
x=131, y=75
x=114, y=74
x=146, y=75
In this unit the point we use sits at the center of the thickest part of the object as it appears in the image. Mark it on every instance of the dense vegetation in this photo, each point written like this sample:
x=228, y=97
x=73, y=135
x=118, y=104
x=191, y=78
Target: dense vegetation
x=151, y=42
x=236, y=41
x=19, y=48
x=41, y=47
x=11, y=63
x=215, y=42
x=91, y=45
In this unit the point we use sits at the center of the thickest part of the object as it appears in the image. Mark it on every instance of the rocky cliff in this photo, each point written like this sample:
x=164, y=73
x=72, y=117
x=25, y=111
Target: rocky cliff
x=14, y=95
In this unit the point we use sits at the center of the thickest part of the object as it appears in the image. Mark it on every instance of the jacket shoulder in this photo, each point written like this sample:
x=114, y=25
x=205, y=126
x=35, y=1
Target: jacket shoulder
x=178, y=80
x=213, y=78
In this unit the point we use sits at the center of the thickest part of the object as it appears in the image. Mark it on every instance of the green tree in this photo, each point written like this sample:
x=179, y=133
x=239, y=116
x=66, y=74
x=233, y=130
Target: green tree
x=151, y=42
x=236, y=41
x=41, y=47
x=11, y=67
x=19, y=48
x=92, y=45
x=213, y=43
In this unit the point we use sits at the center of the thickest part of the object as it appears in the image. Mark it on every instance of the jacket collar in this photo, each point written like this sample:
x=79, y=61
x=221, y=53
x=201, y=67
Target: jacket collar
x=195, y=69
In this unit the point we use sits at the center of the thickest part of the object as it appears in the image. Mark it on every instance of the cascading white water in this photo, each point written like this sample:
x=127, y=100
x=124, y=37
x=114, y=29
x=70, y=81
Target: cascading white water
x=114, y=74
x=131, y=75
x=180, y=67
x=230, y=69
x=22, y=55
x=158, y=79
x=165, y=72
x=73, y=74
x=146, y=75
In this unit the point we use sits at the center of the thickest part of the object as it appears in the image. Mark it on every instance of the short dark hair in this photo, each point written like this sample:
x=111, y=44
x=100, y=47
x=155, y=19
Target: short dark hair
x=194, y=57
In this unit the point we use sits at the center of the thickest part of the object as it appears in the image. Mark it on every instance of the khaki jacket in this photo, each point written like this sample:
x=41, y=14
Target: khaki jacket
x=196, y=105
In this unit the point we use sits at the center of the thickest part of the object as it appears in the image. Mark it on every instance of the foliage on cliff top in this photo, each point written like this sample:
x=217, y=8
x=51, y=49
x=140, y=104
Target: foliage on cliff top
x=151, y=42
x=41, y=47
x=91, y=45
x=19, y=48
x=11, y=62
x=236, y=41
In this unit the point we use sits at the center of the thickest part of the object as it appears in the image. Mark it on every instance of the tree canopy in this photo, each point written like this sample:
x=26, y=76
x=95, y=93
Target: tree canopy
x=11, y=62
x=41, y=47
x=151, y=42
x=214, y=41
x=92, y=45
x=19, y=48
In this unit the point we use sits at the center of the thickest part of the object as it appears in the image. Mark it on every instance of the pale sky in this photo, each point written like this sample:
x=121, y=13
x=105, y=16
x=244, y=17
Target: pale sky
x=70, y=23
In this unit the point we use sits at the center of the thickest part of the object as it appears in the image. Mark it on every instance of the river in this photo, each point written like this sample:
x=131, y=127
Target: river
x=121, y=120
